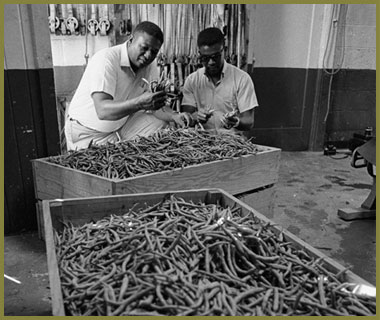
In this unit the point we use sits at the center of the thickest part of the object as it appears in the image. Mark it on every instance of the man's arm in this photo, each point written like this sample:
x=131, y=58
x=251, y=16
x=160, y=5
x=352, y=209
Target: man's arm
x=247, y=119
x=108, y=109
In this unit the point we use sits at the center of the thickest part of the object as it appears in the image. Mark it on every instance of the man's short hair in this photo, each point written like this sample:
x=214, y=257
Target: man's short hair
x=210, y=36
x=150, y=28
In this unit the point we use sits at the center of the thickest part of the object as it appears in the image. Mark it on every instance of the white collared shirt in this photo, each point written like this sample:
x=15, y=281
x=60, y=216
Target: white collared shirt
x=234, y=89
x=108, y=71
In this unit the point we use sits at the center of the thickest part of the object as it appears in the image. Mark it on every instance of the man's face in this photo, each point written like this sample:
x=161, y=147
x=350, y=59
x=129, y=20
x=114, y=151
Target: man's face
x=143, y=49
x=212, y=58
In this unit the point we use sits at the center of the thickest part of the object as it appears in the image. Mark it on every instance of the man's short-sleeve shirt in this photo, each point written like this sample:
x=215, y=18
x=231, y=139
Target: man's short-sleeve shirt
x=234, y=90
x=108, y=71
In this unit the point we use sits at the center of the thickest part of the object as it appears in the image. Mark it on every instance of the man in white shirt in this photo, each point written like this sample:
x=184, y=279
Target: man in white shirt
x=220, y=96
x=111, y=101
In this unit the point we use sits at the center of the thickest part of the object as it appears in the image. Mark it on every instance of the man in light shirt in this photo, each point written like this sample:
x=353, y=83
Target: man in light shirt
x=112, y=102
x=219, y=96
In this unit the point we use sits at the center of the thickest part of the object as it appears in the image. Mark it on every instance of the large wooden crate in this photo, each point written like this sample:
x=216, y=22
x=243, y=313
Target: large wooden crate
x=243, y=177
x=83, y=210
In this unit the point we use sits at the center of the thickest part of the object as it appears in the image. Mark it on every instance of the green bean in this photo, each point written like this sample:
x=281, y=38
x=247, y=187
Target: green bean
x=177, y=257
x=154, y=154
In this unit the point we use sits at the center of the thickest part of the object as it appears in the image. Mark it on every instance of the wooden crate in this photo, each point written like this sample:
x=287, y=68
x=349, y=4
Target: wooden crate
x=79, y=211
x=243, y=175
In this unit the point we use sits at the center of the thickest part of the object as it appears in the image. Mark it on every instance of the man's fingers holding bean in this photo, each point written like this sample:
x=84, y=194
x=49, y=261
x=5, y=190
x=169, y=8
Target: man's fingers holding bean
x=158, y=100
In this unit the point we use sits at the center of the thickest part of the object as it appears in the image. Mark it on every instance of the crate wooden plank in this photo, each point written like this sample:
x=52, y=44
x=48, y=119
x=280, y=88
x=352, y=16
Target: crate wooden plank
x=52, y=262
x=83, y=210
x=53, y=181
x=40, y=220
x=233, y=175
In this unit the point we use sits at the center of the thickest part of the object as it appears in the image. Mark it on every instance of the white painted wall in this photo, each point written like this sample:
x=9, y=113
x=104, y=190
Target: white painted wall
x=25, y=41
x=71, y=50
x=360, y=45
x=286, y=35
x=295, y=35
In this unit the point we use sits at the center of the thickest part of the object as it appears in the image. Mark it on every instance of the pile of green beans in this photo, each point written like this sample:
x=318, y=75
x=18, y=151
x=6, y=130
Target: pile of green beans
x=167, y=149
x=180, y=258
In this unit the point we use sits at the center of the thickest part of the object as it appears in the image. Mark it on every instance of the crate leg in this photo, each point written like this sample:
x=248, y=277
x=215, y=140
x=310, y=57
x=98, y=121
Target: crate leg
x=40, y=220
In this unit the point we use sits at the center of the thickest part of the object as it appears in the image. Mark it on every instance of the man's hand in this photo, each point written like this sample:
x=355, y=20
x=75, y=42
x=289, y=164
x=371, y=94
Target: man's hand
x=183, y=119
x=152, y=101
x=229, y=122
x=202, y=116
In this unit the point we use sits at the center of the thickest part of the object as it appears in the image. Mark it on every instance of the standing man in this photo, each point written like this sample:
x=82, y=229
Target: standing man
x=219, y=96
x=111, y=100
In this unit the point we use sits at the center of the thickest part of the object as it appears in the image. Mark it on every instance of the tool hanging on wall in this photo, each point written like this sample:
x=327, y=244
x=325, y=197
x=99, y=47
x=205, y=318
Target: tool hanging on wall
x=238, y=38
x=104, y=23
x=93, y=24
x=86, y=54
x=179, y=57
x=63, y=24
x=219, y=16
x=82, y=19
x=53, y=19
x=135, y=15
x=71, y=21
x=122, y=22
x=172, y=56
x=243, y=47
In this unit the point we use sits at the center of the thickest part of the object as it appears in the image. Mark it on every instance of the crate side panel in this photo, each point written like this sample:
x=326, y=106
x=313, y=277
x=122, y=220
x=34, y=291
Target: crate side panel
x=85, y=210
x=52, y=262
x=234, y=176
x=53, y=181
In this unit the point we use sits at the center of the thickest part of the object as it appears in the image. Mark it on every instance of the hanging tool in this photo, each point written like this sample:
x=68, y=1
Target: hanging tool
x=63, y=19
x=71, y=21
x=93, y=24
x=243, y=60
x=144, y=12
x=193, y=58
x=186, y=40
x=220, y=15
x=233, y=35
x=238, y=38
x=53, y=19
x=86, y=54
x=128, y=25
x=172, y=75
x=167, y=47
x=104, y=23
x=122, y=24
x=180, y=47
x=173, y=51
x=179, y=62
x=122, y=29
x=227, y=32
x=135, y=16
x=82, y=18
